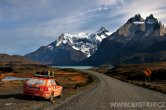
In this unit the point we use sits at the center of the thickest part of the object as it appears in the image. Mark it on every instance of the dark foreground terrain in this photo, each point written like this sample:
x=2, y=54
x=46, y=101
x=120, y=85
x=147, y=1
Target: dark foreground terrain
x=11, y=95
x=110, y=91
x=83, y=90
x=134, y=73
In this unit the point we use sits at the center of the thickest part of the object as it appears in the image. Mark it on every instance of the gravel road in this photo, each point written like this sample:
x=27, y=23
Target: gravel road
x=109, y=91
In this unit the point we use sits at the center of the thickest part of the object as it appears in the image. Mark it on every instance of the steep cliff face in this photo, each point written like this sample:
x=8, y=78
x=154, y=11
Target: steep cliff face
x=137, y=41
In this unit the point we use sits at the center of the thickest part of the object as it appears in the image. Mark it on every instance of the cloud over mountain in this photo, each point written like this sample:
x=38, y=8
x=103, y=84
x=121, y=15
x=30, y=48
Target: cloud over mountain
x=23, y=22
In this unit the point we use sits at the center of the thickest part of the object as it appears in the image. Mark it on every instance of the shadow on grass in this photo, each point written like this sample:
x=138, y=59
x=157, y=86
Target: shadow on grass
x=21, y=97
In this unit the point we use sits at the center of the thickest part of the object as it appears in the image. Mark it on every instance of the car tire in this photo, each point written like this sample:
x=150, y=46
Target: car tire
x=51, y=97
x=60, y=96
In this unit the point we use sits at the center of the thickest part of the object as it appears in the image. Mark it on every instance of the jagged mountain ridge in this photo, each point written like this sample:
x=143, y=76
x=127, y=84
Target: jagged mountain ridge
x=69, y=49
x=137, y=41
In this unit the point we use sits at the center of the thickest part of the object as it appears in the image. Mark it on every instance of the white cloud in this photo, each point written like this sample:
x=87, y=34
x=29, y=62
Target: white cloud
x=98, y=9
x=144, y=7
x=110, y=2
x=129, y=8
x=44, y=20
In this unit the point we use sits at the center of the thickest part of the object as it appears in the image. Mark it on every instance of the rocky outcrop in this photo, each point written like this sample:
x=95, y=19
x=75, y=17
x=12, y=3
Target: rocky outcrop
x=137, y=41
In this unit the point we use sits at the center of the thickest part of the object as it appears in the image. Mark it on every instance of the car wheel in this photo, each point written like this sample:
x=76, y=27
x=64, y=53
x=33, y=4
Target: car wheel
x=52, y=97
x=60, y=96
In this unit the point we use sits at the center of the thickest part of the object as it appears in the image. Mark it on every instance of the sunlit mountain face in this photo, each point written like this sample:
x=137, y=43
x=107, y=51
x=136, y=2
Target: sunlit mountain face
x=137, y=41
x=69, y=49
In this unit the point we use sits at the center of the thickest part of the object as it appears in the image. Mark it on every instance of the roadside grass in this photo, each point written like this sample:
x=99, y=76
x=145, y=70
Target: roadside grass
x=70, y=79
x=134, y=73
x=74, y=83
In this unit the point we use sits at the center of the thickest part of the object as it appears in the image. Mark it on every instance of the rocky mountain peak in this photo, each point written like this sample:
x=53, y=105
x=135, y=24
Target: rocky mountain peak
x=151, y=20
x=103, y=32
x=102, y=29
x=136, y=18
x=137, y=41
x=69, y=48
x=150, y=17
x=154, y=27
x=61, y=37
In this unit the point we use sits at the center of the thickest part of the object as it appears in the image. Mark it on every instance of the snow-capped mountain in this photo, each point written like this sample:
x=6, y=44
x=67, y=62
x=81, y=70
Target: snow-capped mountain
x=69, y=48
x=137, y=41
x=84, y=42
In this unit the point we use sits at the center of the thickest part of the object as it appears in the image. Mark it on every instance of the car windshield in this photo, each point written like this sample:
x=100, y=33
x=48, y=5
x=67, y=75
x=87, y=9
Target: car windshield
x=35, y=81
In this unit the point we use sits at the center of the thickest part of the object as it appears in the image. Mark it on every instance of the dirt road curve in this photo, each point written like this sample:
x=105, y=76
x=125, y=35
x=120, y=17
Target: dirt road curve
x=110, y=90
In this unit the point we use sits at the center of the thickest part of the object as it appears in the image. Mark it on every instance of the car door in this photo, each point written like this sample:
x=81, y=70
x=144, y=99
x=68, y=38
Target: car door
x=57, y=90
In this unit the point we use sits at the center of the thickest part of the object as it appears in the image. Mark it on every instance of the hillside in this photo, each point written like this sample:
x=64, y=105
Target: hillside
x=137, y=41
x=14, y=59
x=69, y=49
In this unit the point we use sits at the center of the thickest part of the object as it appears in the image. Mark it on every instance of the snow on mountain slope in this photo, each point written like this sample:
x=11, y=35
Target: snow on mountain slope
x=69, y=49
x=84, y=42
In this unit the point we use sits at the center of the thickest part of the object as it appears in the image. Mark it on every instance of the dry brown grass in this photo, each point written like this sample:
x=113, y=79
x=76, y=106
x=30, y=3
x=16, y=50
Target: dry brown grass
x=68, y=78
x=133, y=73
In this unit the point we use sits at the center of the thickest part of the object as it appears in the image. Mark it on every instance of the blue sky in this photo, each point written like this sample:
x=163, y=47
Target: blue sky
x=25, y=25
